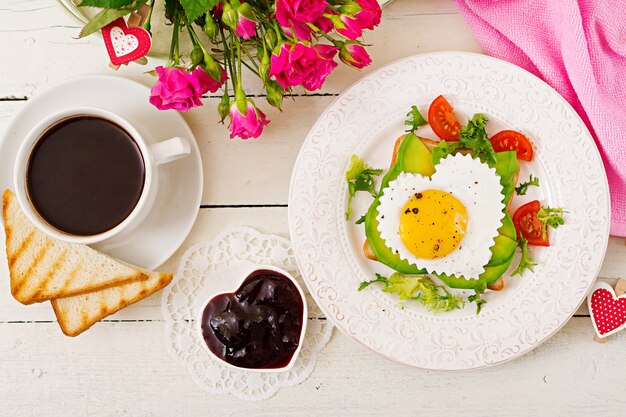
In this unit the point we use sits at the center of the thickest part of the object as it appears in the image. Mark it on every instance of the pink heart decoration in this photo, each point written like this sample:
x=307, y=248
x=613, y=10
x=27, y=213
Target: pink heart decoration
x=125, y=44
x=608, y=311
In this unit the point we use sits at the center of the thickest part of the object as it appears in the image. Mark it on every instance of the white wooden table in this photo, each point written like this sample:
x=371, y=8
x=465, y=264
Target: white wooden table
x=121, y=368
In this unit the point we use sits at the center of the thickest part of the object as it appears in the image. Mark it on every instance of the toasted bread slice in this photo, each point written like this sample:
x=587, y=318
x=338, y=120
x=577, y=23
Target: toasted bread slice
x=77, y=314
x=43, y=268
x=497, y=285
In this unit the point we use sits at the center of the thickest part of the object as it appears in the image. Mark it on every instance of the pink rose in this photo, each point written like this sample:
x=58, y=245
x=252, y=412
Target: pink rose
x=367, y=18
x=301, y=11
x=304, y=65
x=180, y=90
x=247, y=124
x=293, y=15
x=207, y=82
x=355, y=55
x=245, y=28
x=370, y=13
x=352, y=27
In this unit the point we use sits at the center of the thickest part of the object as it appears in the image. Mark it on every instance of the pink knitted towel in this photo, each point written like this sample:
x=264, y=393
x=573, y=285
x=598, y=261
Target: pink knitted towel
x=579, y=48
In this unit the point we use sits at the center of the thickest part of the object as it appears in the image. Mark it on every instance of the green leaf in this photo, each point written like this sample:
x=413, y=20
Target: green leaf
x=361, y=219
x=365, y=284
x=403, y=286
x=414, y=119
x=474, y=137
x=106, y=16
x=478, y=299
x=105, y=4
x=442, y=150
x=196, y=8
x=552, y=217
x=171, y=6
x=525, y=262
x=419, y=288
x=360, y=177
x=523, y=187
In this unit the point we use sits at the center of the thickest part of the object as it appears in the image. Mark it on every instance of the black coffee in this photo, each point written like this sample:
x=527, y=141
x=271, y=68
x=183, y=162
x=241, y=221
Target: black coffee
x=85, y=175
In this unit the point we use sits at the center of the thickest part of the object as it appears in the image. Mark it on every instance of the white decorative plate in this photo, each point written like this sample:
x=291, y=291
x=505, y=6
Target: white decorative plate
x=366, y=120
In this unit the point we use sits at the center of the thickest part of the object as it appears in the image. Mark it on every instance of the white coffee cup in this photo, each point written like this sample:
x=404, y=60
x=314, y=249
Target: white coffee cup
x=153, y=155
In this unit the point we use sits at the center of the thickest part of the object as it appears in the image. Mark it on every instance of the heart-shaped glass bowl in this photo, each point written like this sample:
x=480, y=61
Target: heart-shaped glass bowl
x=225, y=286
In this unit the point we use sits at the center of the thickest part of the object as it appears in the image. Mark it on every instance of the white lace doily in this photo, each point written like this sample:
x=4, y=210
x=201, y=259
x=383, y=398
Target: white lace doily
x=199, y=268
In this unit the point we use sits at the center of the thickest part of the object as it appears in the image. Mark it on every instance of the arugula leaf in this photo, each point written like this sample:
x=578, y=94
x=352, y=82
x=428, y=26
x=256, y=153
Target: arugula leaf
x=105, y=4
x=525, y=262
x=106, y=16
x=523, y=187
x=442, y=150
x=418, y=288
x=360, y=177
x=474, y=136
x=196, y=8
x=477, y=298
x=414, y=119
x=552, y=217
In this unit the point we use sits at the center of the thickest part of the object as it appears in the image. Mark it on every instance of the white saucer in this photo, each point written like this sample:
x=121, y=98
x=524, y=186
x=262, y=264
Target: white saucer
x=180, y=187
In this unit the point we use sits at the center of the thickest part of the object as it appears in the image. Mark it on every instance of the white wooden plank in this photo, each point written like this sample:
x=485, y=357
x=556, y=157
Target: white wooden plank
x=210, y=223
x=39, y=46
x=124, y=370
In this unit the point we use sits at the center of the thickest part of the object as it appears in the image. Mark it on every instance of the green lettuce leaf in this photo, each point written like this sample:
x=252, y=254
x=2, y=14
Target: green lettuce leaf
x=442, y=150
x=474, y=136
x=414, y=119
x=525, y=262
x=418, y=288
x=360, y=177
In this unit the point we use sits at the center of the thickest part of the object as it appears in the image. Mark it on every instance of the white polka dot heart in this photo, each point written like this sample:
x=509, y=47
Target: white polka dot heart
x=608, y=311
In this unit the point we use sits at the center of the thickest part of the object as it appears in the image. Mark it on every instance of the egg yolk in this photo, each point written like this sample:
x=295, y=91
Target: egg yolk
x=432, y=224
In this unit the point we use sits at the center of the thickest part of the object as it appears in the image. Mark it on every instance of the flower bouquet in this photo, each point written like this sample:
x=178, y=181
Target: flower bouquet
x=285, y=43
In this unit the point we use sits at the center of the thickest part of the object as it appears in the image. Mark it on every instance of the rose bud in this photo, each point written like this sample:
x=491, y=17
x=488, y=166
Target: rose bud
x=275, y=93
x=354, y=55
x=210, y=27
x=224, y=107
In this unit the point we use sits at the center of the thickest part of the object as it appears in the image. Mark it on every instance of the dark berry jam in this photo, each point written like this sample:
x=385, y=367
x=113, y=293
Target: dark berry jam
x=259, y=325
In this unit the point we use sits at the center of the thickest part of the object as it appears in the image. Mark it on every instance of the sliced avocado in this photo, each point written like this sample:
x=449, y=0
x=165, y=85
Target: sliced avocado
x=383, y=253
x=507, y=167
x=413, y=156
x=502, y=250
x=491, y=274
x=505, y=243
x=508, y=228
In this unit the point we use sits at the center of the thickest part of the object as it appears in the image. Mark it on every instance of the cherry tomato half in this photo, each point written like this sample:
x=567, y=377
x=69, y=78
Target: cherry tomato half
x=510, y=140
x=528, y=224
x=443, y=121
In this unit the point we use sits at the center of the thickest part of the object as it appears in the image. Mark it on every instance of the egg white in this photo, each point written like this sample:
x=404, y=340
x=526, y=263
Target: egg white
x=474, y=184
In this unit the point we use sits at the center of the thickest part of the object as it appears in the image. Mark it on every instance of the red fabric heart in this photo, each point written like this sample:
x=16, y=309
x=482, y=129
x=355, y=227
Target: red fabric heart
x=608, y=312
x=125, y=44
